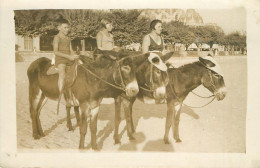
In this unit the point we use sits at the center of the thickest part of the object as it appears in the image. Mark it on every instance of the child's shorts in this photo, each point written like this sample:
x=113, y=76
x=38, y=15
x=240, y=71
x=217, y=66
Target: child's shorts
x=61, y=60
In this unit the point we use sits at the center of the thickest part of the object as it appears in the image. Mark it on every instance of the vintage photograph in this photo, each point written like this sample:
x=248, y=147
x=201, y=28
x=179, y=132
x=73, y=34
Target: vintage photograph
x=131, y=80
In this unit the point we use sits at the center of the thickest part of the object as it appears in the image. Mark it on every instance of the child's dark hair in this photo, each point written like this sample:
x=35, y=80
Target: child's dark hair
x=153, y=23
x=61, y=21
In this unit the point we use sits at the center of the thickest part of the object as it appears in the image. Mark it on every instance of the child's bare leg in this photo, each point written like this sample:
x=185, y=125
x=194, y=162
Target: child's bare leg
x=61, y=80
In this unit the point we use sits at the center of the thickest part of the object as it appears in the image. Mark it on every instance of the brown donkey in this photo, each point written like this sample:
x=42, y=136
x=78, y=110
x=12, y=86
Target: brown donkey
x=104, y=78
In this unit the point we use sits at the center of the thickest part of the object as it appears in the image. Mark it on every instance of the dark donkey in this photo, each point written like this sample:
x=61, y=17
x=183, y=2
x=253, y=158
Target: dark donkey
x=182, y=81
x=104, y=78
x=152, y=81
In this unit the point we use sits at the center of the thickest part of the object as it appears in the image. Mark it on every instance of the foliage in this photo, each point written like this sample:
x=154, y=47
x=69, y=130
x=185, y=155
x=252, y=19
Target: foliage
x=128, y=27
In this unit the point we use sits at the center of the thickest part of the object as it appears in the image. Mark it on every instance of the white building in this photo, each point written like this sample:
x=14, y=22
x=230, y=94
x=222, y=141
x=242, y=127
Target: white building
x=193, y=46
x=27, y=43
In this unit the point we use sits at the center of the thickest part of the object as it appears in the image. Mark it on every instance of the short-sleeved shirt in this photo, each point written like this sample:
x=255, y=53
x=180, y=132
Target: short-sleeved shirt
x=107, y=42
x=64, y=43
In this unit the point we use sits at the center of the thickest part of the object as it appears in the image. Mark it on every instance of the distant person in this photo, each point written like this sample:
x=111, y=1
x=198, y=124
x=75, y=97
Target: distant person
x=153, y=42
x=63, y=51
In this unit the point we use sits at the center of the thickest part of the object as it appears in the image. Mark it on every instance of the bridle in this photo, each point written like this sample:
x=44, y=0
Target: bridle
x=212, y=85
x=122, y=85
x=151, y=88
x=151, y=80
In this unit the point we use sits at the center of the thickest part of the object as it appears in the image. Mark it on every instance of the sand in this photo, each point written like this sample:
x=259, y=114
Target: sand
x=219, y=127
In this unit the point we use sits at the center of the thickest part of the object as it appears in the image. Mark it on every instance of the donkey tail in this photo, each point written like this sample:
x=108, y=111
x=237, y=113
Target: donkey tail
x=32, y=73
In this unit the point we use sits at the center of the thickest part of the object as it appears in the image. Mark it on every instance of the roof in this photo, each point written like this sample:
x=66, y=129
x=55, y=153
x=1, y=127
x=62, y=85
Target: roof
x=193, y=45
x=204, y=45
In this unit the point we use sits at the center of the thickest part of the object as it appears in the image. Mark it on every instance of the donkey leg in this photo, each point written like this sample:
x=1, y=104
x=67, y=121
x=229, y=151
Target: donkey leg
x=76, y=110
x=36, y=106
x=168, y=123
x=83, y=124
x=128, y=120
x=93, y=126
x=177, y=121
x=38, y=111
x=131, y=116
x=33, y=109
x=34, y=94
x=36, y=133
x=117, y=119
x=69, y=124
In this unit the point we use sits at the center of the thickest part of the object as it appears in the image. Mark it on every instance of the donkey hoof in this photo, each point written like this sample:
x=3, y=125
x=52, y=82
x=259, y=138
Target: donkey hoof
x=117, y=141
x=166, y=141
x=94, y=147
x=131, y=138
x=81, y=147
x=178, y=140
x=69, y=126
x=42, y=134
x=37, y=136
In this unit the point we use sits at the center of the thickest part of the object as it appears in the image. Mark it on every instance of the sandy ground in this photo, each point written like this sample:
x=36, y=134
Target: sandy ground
x=218, y=127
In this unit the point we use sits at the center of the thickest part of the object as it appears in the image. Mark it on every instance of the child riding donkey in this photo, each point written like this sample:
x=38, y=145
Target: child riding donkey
x=64, y=55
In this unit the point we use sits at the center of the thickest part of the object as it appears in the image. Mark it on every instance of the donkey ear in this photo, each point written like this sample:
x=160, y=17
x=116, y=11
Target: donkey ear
x=156, y=60
x=167, y=56
x=206, y=62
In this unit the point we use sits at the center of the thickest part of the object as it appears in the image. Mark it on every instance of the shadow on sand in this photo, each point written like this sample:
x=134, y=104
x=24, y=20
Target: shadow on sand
x=158, y=146
x=59, y=122
x=132, y=145
x=187, y=110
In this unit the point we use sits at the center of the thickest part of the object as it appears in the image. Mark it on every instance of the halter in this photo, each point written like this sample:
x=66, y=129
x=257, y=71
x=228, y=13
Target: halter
x=211, y=81
x=150, y=89
x=120, y=75
x=212, y=85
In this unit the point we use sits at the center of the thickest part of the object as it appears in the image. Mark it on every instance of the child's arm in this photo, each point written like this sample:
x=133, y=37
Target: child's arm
x=99, y=41
x=60, y=54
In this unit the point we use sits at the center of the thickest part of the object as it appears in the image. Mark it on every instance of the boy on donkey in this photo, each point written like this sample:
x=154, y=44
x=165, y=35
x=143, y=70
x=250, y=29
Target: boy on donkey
x=64, y=55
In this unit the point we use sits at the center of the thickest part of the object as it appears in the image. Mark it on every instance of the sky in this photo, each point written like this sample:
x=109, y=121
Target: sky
x=229, y=20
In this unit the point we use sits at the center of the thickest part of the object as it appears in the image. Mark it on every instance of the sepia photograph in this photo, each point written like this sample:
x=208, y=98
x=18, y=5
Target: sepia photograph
x=131, y=82
x=155, y=65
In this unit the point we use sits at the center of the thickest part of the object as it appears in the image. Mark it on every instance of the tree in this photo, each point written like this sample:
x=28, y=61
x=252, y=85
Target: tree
x=128, y=26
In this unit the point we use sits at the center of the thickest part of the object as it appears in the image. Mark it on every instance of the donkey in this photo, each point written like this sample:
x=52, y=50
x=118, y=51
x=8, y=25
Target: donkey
x=152, y=81
x=104, y=78
x=205, y=71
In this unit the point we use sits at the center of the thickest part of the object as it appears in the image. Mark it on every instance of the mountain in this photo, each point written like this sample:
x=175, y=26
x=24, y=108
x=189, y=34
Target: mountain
x=188, y=17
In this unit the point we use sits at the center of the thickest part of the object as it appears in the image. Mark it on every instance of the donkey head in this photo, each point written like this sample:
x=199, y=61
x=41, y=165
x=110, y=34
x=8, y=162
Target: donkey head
x=154, y=76
x=213, y=78
x=125, y=76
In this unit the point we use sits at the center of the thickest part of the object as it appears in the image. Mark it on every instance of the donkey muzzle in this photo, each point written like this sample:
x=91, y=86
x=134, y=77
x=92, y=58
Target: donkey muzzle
x=221, y=93
x=132, y=89
x=160, y=93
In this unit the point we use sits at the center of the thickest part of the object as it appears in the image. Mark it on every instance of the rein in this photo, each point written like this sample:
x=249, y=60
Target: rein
x=202, y=96
x=212, y=84
x=115, y=86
